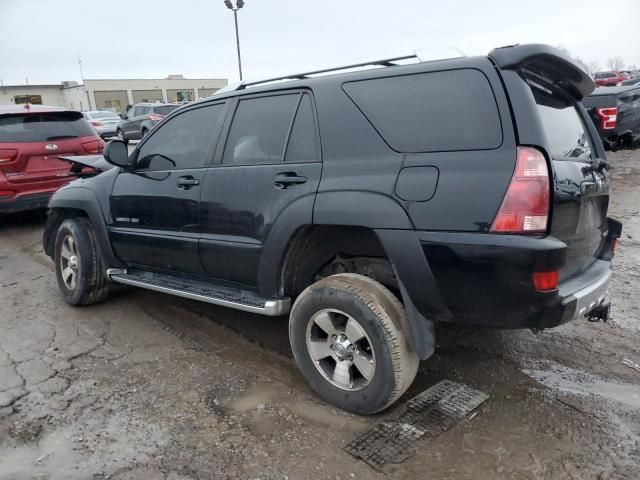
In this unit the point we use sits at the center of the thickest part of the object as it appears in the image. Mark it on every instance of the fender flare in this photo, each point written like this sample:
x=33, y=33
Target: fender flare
x=84, y=199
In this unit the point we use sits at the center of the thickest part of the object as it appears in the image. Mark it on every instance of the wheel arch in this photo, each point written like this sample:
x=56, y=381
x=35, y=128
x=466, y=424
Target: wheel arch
x=74, y=202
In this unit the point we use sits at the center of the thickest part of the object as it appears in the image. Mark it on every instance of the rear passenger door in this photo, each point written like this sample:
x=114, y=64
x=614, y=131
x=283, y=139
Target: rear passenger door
x=271, y=159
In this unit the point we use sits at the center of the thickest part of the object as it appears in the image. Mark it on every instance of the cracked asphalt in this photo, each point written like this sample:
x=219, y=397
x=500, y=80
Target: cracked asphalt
x=146, y=386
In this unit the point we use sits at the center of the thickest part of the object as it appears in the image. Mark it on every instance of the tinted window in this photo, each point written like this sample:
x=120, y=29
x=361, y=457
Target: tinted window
x=165, y=109
x=303, y=144
x=42, y=127
x=259, y=129
x=184, y=141
x=142, y=111
x=565, y=132
x=439, y=111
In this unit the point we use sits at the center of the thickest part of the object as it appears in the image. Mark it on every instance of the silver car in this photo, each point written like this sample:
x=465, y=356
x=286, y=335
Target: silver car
x=103, y=121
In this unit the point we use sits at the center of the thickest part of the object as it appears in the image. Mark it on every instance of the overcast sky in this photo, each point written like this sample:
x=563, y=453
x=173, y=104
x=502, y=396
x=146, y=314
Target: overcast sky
x=42, y=39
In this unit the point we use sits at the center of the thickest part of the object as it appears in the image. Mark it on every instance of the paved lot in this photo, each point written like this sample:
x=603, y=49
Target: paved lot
x=146, y=386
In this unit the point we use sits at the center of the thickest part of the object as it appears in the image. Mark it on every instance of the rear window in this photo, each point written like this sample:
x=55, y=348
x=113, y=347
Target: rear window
x=165, y=110
x=43, y=127
x=565, y=132
x=427, y=112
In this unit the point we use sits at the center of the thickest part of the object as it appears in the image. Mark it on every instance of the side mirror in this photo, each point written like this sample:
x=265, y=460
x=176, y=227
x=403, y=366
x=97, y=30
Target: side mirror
x=123, y=116
x=117, y=153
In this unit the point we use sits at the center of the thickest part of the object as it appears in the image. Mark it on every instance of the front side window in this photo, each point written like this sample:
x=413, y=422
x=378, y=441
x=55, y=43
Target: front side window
x=259, y=130
x=184, y=141
x=565, y=132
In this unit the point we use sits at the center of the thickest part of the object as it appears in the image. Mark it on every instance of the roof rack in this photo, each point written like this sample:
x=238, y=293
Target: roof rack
x=386, y=62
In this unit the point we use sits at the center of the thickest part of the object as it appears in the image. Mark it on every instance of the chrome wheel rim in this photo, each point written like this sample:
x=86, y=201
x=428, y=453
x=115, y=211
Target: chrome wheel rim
x=340, y=349
x=69, y=262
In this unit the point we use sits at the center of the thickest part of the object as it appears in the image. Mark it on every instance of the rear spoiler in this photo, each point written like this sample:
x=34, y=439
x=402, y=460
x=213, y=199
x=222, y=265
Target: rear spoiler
x=546, y=62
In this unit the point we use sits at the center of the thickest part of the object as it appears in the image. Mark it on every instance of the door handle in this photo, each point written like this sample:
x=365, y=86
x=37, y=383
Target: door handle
x=286, y=179
x=185, y=183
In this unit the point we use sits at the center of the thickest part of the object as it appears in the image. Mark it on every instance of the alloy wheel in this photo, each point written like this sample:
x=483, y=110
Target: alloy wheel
x=69, y=262
x=340, y=349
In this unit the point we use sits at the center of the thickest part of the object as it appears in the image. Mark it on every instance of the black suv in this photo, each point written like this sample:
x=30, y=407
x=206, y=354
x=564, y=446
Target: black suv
x=368, y=205
x=140, y=118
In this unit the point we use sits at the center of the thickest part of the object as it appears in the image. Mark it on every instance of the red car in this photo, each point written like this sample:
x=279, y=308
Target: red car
x=610, y=79
x=31, y=140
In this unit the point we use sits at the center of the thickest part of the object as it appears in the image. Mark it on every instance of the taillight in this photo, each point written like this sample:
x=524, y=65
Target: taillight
x=155, y=118
x=545, y=281
x=95, y=123
x=7, y=155
x=94, y=146
x=525, y=208
x=608, y=117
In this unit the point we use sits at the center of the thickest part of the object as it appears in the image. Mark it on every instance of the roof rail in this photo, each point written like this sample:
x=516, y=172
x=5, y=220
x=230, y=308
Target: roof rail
x=385, y=62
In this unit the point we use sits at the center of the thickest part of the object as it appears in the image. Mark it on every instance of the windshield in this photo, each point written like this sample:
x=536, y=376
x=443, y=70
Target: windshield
x=165, y=109
x=42, y=127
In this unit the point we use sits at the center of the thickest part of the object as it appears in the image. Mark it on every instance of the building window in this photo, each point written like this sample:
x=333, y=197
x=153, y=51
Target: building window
x=185, y=95
x=32, y=99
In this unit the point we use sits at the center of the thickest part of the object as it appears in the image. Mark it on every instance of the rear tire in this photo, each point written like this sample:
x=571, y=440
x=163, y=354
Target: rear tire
x=79, y=270
x=352, y=325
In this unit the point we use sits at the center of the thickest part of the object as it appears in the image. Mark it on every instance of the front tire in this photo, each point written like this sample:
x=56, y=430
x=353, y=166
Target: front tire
x=347, y=333
x=79, y=270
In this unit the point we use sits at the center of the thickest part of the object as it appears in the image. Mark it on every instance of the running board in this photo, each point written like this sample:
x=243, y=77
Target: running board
x=239, y=299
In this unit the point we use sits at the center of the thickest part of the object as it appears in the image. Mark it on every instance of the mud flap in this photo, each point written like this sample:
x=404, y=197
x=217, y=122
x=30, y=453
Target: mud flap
x=420, y=327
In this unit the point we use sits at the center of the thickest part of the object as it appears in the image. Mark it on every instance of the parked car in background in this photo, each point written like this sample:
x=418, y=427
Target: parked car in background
x=105, y=122
x=615, y=111
x=31, y=140
x=337, y=199
x=609, y=79
x=140, y=118
x=631, y=81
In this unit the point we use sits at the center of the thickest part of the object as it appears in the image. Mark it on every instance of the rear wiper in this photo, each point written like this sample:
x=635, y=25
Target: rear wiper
x=60, y=137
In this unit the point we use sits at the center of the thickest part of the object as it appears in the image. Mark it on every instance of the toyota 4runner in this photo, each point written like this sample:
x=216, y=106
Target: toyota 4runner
x=367, y=205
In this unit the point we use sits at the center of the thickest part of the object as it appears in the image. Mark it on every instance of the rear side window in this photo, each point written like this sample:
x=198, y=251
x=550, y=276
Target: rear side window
x=565, y=132
x=165, y=109
x=43, y=127
x=259, y=130
x=303, y=142
x=429, y=112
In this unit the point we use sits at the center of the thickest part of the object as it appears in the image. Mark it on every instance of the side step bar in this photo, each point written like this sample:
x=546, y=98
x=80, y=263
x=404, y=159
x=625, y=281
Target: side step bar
x=244, y=300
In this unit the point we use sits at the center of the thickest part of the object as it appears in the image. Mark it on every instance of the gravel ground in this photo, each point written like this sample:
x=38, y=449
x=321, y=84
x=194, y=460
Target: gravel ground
x=146, y=386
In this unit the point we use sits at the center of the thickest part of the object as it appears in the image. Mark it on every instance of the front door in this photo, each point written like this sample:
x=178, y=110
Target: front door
x=270, y=160
x=155, y=208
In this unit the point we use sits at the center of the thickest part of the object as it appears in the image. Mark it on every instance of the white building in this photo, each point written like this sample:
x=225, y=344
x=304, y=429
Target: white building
x=111, y=93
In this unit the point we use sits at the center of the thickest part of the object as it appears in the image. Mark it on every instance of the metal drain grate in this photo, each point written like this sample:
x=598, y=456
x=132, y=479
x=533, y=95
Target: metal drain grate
x=430, y=413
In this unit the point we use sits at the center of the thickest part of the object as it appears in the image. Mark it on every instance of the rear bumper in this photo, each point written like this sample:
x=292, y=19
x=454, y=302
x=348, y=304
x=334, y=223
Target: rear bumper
x=487, y=280
x=587, y=291
x=25, y=202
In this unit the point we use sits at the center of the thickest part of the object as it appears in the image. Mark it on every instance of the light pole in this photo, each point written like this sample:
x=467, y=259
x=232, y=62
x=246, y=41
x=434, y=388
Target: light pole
x=238, y=5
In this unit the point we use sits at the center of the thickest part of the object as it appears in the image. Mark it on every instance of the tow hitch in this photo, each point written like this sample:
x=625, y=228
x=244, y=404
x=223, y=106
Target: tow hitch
x=601, y=312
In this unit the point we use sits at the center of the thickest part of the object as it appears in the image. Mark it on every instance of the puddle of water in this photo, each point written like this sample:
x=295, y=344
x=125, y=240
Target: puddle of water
x=323, y=416
x=53, y=457
x=266, y=393
x=258, y=394
x=568, y=380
